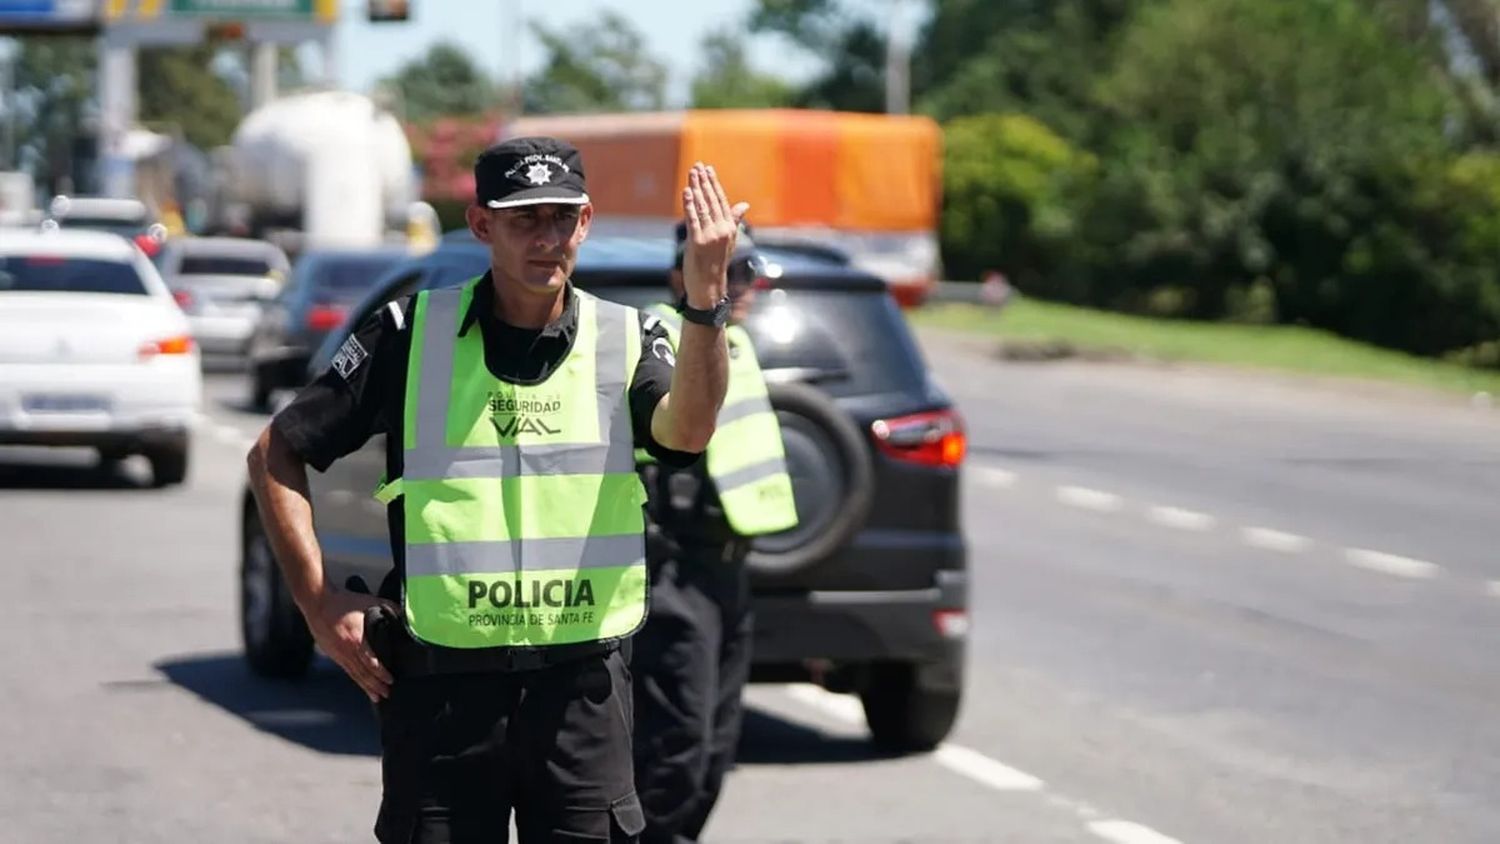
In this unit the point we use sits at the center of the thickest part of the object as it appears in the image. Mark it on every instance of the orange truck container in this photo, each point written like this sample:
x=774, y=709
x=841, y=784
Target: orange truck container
x=866, y=184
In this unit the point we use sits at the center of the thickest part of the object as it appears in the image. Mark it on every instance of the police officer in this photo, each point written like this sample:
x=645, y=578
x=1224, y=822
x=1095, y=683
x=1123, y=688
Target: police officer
x=692, y=659
x=510, y=406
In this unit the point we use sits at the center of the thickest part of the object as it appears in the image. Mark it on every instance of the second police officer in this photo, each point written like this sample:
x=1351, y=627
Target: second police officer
x=692, y=659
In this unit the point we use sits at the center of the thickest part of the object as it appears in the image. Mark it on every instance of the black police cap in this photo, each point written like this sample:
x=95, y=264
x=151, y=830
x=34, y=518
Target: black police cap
x=530, y=171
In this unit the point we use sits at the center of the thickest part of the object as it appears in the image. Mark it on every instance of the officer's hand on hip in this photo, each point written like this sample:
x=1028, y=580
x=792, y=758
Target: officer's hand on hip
x=338, y=626
x=712, y=227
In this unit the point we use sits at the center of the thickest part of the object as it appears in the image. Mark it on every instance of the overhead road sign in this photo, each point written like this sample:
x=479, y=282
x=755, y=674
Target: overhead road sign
x=22, y=17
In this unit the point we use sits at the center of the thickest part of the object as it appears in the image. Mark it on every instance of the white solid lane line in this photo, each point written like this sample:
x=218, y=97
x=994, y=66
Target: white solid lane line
x=1125, y=832
x=982, y=769
x=988, y=772
x=1176, y=517
x=990, y=476
x=1274, y=540
x=1089, y=499
x=1390, y=563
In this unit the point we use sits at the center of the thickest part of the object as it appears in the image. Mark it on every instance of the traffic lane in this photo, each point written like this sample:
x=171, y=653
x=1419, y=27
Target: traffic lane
x=1183, y=681
x=123, y=692
x=1377, y=472
x=122, y=597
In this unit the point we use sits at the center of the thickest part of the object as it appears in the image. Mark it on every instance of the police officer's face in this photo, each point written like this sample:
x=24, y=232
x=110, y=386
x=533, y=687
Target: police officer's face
x=535, y=246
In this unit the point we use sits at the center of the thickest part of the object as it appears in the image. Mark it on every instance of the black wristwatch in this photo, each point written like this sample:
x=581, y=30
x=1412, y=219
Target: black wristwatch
x=715, y=317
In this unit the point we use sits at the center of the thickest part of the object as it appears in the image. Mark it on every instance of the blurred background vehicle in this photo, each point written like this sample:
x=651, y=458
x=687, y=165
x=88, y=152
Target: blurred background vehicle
x=93, y=351
x=223, y=284
x=868, y=594
x=324, y=285
x=128, y=218
x=316, y=170
x=865, y=185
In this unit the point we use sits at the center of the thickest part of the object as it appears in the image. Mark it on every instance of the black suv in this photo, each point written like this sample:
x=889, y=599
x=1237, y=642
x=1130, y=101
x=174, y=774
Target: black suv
x=867, y=594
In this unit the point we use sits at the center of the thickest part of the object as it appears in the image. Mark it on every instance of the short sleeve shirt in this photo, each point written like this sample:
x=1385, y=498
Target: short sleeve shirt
x=363, y=393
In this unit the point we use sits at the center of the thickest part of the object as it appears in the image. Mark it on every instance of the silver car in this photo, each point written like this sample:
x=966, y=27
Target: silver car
x=222, y=284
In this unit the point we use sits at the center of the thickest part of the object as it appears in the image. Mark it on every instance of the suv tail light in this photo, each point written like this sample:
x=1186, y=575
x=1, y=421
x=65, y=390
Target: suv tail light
x=179, y=345
x=935, y=438
x=325, y=317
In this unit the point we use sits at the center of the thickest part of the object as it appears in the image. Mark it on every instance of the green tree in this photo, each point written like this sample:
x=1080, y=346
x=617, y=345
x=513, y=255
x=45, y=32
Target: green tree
x=850, y=46
x=1043, y=57
x=601, y=66
x=445, y=81
x=179, y=91
x=728, y=80
x=53, y=93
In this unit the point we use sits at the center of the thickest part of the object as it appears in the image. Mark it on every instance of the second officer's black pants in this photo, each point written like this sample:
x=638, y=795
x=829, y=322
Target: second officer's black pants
x=691, y=662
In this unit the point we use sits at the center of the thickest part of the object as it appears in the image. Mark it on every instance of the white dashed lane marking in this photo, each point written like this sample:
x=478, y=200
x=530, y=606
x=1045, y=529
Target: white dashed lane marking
x=1274, y=540
x=990, y=476
x=988, y=772
x=1176, y=517
x=1125, y=832
x=1493, y=588
x=1089, y=499
x=980, y=768
x=1390, y=563
x=1269, y=539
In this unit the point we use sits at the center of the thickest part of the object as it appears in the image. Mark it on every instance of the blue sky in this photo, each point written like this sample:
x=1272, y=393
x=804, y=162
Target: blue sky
x=488, y=28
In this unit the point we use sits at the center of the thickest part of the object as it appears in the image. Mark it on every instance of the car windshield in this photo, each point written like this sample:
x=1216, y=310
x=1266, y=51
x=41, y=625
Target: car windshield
x=46, y=274
x=223, y=265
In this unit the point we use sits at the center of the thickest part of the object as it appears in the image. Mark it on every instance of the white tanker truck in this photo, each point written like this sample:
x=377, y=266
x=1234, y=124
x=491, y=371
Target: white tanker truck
x=320, y=169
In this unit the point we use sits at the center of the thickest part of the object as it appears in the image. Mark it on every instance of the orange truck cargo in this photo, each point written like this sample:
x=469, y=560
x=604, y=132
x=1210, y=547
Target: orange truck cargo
x=866, y=184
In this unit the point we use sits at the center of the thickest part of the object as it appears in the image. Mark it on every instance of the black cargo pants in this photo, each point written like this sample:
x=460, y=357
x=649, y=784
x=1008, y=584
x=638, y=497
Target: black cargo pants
x=462, y=750
x=691, y=663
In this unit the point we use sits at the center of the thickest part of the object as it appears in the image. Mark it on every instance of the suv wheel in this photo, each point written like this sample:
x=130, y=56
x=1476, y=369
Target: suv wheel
x=277, y=641
x=169, y=463
x=832, y=480
x=903, y=715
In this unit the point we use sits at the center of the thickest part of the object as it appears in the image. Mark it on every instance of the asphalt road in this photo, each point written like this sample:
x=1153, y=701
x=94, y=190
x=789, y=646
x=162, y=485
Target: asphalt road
x=1207, y=609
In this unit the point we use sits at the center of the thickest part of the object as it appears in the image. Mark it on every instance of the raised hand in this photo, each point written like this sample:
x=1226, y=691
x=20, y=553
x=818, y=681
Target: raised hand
x=712, y=228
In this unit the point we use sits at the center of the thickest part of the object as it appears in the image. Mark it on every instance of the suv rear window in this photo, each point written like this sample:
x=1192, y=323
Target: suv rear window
x=223, y=265
x=853, y=342
x=41, y=274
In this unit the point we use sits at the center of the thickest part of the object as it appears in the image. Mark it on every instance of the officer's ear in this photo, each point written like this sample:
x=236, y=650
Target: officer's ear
x=479, y=219
x=585, y=219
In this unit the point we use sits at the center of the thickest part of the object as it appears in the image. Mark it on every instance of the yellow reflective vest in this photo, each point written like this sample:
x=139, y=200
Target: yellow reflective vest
x=523, y=510
x=745, y=458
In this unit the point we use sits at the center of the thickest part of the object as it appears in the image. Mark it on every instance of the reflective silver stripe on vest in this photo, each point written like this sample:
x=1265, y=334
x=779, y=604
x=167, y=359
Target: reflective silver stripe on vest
x=433, y=459
x=742, y=409
x=750, y=474
x=521, y=555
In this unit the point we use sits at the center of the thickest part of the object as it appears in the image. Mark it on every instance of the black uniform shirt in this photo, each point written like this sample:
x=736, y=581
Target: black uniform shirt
x=365, y=393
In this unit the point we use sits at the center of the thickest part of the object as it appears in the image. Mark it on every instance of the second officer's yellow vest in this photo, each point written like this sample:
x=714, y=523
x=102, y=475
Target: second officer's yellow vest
x=523, y=511
x=746, y=458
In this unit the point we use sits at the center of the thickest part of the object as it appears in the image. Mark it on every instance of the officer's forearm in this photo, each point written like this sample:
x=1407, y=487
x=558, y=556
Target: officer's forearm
x=698, y=384
x=278, y=480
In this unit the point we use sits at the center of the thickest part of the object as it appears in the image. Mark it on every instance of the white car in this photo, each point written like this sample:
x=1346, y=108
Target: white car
x=94, y=351
x=222, y=284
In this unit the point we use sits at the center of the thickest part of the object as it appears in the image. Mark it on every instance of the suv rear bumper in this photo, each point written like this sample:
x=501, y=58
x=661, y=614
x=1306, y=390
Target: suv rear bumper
x=847, y=627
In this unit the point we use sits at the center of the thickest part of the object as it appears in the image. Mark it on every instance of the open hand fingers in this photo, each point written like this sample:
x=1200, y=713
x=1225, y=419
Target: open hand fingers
x=693, y=210
x=721, y=200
